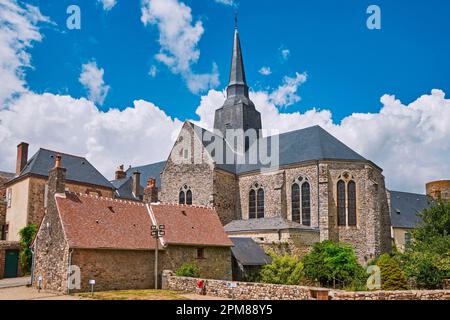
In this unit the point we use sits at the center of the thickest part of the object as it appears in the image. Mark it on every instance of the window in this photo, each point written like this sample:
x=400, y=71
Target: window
x=200, y=253
x=5, y=231
x=189, y=198
x=256, y=202
x=182, y=198
x=407, y=239
x=296, y=203
x=2, y=233
x=252, y=204
x=351, y=203
x=9, y=198
x=306, y=204
x=260, y=204
x=341, y=205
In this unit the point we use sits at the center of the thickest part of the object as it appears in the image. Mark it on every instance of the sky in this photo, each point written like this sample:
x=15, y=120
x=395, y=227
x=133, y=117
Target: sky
x=118, y=89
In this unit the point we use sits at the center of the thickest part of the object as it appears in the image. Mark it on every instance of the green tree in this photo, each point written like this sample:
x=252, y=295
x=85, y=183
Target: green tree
x=427, y=260
x=334, y=265
x=283, y=270
x=188, y=270
x=27, y=235
x=392, y=276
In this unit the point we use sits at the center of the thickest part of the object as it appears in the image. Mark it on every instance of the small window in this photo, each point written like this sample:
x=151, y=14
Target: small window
x=200, y=253
x=341, y=203
x=252, y=204
x=260, y=204
x=296, y=203
x=2, y=233
x=5, y=231
x=306, y=204
x=182, y=198
x=189, y=198
x=9, y=197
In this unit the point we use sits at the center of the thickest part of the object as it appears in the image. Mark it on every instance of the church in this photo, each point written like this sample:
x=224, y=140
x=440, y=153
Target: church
x=285, y=191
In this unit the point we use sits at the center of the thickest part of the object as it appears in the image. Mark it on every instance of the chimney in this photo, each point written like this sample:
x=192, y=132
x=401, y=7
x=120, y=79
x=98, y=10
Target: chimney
x=137, y=184
x=120, y=173
x=56, y=180
x=151, y=191
x=22, y=157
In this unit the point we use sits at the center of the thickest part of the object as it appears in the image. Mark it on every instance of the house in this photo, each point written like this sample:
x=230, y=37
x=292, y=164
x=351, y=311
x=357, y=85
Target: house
x=109, y=240
x=247, y=258
x=26, y=191
x=4, y=177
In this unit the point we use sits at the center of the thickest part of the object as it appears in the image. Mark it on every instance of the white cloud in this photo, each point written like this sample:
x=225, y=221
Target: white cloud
x=108, y=4
x=265, y=71
x=153, y=71
x=285, y=53
x=91, y=78
x=286, y=94
x=225, y=2
x=18, y=31
x=179, y=36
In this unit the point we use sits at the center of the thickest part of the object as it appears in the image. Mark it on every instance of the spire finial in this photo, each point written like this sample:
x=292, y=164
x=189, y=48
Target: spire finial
x=236, y=16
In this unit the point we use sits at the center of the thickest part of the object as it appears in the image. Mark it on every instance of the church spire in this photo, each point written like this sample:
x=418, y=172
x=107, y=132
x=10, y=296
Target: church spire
x=237, y=87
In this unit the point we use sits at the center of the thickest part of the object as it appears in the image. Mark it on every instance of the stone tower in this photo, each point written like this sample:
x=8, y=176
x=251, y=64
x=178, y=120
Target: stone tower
x=238, y=111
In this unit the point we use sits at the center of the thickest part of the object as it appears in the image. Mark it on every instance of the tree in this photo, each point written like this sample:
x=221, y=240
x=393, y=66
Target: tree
x=392, y=276
x=283, y=270
x=334, y=265
x=190, y=270
x=27, y=235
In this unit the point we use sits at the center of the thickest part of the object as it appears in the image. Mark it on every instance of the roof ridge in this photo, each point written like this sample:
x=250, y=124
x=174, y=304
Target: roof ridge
x=183, y=205
x=140, y=204
x=63, y=153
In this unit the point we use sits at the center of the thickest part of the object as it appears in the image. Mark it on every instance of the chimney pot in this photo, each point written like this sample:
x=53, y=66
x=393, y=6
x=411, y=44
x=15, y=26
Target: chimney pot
x=137, y=184
x=151, y=191
x=120, y=173
x=58, y=161
x=22, y=157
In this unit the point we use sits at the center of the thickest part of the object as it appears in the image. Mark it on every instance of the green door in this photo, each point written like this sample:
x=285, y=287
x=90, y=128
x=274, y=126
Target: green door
x=11, y=263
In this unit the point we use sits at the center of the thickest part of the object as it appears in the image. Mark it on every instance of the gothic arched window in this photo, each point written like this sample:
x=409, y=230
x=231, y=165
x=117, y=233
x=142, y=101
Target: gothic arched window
x=351, y=189
x=182, y=198
x=341, y=203
x=252, y=204
x=189, y=197
x=296, y=203
x=306, y=204
x=260, y=204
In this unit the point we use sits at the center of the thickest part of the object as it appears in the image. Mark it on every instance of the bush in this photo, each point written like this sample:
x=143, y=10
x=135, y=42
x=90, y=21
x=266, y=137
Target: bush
x=190, y=270
x=392, y=276
x=285, y=269
x=334, y=265
x=27, y=235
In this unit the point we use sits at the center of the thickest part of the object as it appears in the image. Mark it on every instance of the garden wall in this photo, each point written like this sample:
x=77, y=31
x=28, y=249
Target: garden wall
x=262, y=291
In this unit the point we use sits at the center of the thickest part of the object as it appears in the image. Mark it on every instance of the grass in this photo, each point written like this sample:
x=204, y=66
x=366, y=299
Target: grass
x=134, y=295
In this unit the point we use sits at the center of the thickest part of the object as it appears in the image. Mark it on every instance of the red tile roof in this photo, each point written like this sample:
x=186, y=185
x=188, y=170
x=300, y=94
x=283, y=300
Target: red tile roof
x=101, y=223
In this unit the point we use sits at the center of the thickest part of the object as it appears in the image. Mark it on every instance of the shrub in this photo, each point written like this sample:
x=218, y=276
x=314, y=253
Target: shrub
x=188, y=270
x=27, y=235
x=334, y=265
x=392, y=276
x=283, y=270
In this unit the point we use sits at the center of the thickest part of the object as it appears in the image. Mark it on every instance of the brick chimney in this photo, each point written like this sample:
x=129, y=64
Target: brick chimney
x=120, y=173
x=137, y=184
x=151, y=191
x=22, y=157
x=56, y=181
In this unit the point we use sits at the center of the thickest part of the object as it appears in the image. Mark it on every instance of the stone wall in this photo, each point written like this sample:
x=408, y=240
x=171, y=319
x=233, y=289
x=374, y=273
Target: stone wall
x=226, y=200
x=439, y=189
x=7, y=245
x=262, y=291
x=2, y=214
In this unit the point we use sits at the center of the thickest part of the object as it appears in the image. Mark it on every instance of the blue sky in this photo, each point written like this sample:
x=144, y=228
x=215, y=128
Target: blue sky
x=89, y=92
x=349, y=67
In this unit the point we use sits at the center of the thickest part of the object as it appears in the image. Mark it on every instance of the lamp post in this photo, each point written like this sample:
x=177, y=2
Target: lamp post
x=157, y=232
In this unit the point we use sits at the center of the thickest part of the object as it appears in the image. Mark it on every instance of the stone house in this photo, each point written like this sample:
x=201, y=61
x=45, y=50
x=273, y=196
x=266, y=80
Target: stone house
x=110, y=241
x=314, y=187
x=26, y=192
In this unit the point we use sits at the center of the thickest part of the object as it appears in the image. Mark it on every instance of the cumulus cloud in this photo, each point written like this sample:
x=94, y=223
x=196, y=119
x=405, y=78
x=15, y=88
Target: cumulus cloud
x=153, y=71
x=179, y=36
x=265, y=71
x=286, y=94
x=285, y=53
x=108, y=4
x=91, y=78
x=226, y=2
x=18, y=30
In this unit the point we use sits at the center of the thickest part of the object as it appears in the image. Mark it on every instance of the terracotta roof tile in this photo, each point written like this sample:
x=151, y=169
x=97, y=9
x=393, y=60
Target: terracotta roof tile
x=103, y=223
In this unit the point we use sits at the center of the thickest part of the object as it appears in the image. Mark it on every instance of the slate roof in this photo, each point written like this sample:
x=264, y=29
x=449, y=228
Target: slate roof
x=247, y=252
x=276, y=223
x=124, y=189
x=78, y=168
x=92, y=222
x=405, y=207
x=149, y=171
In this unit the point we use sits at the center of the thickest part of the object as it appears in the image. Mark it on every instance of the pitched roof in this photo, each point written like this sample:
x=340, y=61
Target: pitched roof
x=191, y=225
x=247, y=252
x=124, y=189
x=405, y=207
x=78, y=168
x=276, y=223
x=149, y=171
x=91, y=222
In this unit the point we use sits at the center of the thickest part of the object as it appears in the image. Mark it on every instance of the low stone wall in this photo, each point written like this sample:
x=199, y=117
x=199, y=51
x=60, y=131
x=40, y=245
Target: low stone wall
x=7, y=245
x=262, y=291
x=392, y=295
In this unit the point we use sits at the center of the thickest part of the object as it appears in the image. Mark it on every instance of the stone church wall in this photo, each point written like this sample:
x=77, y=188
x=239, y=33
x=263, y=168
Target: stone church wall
x=226, y=196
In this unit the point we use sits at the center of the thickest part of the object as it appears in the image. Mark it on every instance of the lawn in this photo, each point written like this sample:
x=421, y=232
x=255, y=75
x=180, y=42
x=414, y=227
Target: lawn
x=135, y=295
